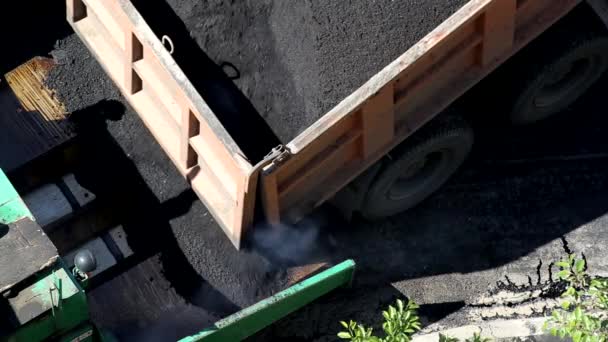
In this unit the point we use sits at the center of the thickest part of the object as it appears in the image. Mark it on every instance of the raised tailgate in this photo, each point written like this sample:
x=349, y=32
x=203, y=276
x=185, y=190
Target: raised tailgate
x=170, y=107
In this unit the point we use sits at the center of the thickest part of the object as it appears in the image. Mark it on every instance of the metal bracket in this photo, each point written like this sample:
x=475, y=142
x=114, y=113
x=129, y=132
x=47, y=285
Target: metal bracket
x=277, y=157
x=55, y=285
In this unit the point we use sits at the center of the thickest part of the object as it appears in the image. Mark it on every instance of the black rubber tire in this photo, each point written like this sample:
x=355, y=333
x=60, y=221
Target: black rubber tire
x=450, y=142
x=567, y=67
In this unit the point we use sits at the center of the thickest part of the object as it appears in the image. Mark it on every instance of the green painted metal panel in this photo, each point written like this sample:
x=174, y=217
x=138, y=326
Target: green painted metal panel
x=7, y=192
x=45, y=294
x=248, y=321
x=61, y=306
x=12, y=207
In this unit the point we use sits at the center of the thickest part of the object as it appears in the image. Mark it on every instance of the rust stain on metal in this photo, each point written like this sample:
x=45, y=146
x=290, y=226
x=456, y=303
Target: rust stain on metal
x=27, y=83
x=299, y=273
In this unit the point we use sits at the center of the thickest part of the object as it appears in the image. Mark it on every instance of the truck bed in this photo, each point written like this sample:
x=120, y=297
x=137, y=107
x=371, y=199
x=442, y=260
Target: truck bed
x=299, y=176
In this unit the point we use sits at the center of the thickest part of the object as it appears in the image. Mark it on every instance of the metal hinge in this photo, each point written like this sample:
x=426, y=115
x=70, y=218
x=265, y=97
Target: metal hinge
x=277, y=156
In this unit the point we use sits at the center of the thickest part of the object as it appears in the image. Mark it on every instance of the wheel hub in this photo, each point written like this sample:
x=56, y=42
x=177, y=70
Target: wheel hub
x=566, y=79
x=418, y=174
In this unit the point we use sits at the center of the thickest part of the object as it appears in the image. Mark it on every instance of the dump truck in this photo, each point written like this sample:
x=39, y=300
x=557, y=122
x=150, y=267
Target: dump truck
x=358, y=154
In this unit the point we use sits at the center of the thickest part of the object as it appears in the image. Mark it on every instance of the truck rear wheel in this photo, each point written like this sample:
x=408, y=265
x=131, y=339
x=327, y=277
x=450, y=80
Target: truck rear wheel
x=413, y=171
x=561, y=78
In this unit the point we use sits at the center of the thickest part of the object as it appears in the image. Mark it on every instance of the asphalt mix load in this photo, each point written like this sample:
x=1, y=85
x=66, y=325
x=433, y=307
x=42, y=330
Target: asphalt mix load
x=292, y=60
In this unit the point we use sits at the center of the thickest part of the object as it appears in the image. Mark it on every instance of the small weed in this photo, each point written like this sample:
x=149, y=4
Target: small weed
x=583, y=315
x=400, y=323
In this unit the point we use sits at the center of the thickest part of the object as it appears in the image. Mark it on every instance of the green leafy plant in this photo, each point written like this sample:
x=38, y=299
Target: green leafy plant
x=476, y=338
x=400, y=323
x=445, y=338
x=583, y=315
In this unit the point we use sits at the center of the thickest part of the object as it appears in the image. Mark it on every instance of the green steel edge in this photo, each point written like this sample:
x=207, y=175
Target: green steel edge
x=12, y=208
x=250, y=320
